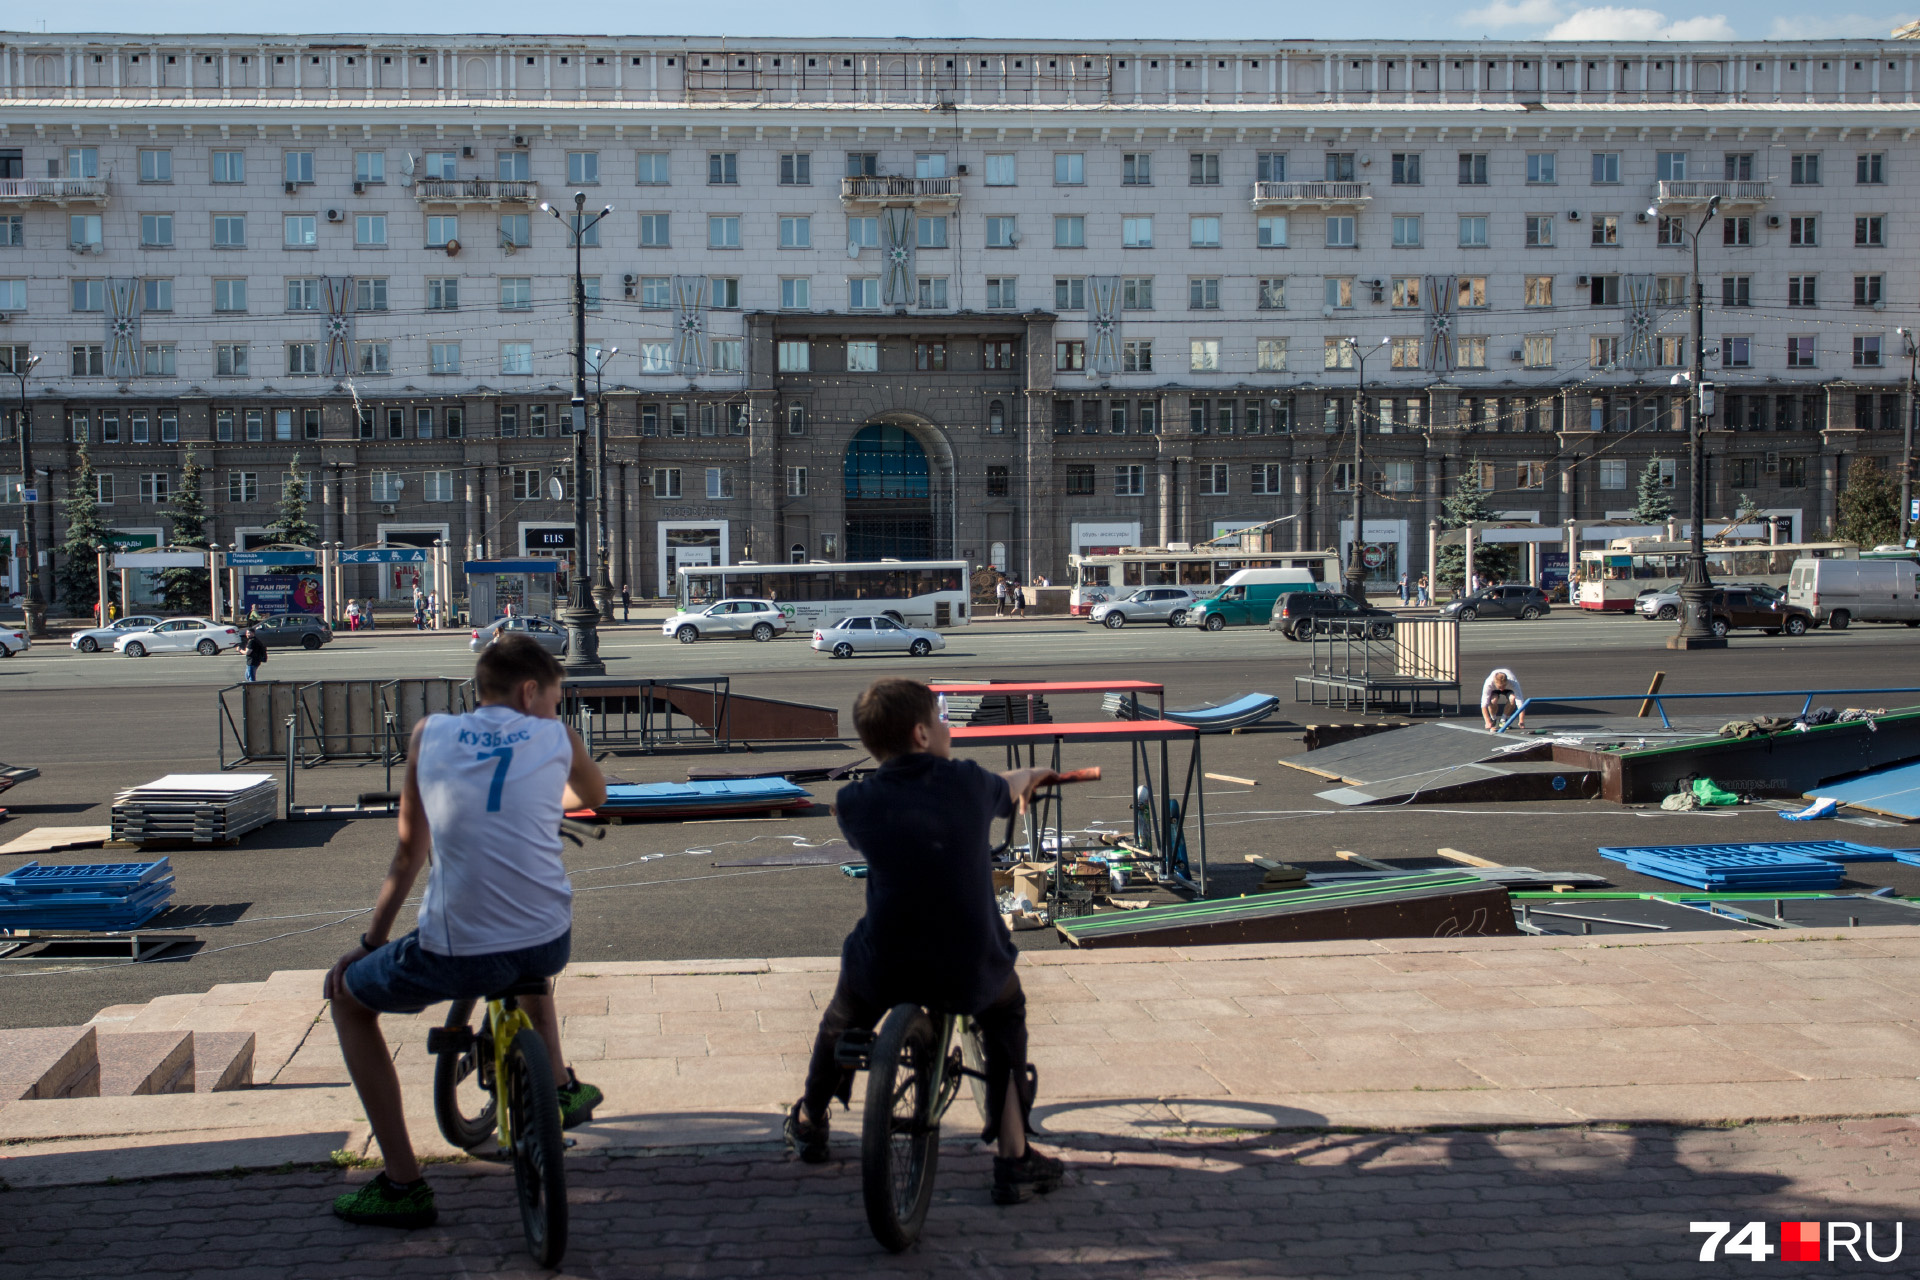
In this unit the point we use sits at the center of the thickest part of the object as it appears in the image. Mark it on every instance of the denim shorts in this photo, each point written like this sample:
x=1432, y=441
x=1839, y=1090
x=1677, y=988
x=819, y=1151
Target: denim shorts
x=404, y=977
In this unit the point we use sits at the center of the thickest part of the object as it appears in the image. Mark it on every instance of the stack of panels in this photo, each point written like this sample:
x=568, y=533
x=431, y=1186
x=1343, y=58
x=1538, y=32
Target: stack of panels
x=1754, y=868
x=998, y=708
x=197, y=807
x=94, y=897
x=702, y=799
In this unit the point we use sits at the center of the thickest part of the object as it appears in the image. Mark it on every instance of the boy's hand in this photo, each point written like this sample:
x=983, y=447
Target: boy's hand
x=1024, y=782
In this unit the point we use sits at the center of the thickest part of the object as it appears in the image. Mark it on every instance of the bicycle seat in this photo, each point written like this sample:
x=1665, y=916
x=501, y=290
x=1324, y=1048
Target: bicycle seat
x=536, y=987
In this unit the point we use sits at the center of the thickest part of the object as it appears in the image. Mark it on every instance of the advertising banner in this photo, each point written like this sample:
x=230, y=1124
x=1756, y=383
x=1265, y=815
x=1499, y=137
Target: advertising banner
x=281, y=592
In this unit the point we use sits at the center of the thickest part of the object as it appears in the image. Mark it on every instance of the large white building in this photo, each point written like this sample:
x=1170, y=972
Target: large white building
x=980, y=298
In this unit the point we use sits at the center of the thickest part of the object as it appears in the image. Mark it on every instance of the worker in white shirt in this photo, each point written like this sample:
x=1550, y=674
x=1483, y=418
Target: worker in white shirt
x=1500, y=696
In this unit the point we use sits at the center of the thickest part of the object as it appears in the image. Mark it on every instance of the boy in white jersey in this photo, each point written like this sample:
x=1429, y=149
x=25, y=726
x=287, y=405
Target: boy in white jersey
x=484, y=792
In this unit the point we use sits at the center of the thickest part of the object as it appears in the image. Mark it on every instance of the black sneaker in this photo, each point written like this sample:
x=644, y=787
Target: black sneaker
x=386, y=1203
x=577, y=1101
x=1013, y=1179
x=806, y=1138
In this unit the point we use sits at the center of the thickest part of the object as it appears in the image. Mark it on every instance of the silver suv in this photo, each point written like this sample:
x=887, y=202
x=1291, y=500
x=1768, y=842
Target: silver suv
x=1148, y=604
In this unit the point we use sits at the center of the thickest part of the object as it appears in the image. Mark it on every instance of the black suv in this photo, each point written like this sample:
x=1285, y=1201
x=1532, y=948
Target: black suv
x=1501, y=602
x=284, y=631
x=1299, y=614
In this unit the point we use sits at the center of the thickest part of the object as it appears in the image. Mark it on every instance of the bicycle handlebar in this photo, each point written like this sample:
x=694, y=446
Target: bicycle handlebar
x=581, y=832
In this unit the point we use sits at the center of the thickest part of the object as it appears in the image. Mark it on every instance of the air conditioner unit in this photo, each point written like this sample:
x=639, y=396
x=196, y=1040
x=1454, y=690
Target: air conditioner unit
x=1773, y=463
x=1773, y=220
x=387, y=508
x=292, y=187
x=629, y=280
x=1641, y=216
x=359, y=188
x=963, y=171
x=336, y=215
x=1516, y=354
x=466, y=153
x=1582, y=281
x=519, y=139
x=1573, y=215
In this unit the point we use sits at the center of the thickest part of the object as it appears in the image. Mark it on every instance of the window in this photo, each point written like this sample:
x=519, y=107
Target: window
x=1003, y=232
x=794, y=356
x=1069, y=231
x=1406, y=292
x=89, y=295
x=89, y=360
x=998, y=482
x=797, y=232
x=516, y=229
x=656, y=230
x=1739, y=166
x=1340, y=233
x=930, y=164
x=1670, y=166
x=303, y=358
x=1339, y=291
x=1272, y=233
x=656, y=292
x=654, y=168
x=1530, y=475
x=1606, y=229
x=156, y=295
x=863, y=164
x=1802, y=291
x=1736, y=291
x=1136, y=355
x=373, y=357
x=1473, y=168
x=1603, y=291
x=1670, y=232
x=1793, y=473
x=155, y=487
x=930, y=356
x=110, y=428
x=590, y=238
x=1470, y=351
x=723, y=168
x=1866, y=351
x=1613, y=473
x=796, y=421
x=863, y=356
x=797, y=482
x=1203, y=293
x=302, y=230
x=719, y=482
x=1069, y=357
x=1135, y=232
x=656, y=357
x=230, y=295
x=1539, y=231
x=1405, y=353
x=1136, y=169
x=1130, y=480
x=83, y=229
x=1271, y=355
x=1203, y=168
x=1069, y=169
x=299, y=167
x=516, y=293
x=1266, y=479
x=1271, y=293
x=863, y=293
x=443, y=165
x=996, y=354
x=526, y=484
x=1213, y=479
x=1003, y=293
x=666, y=481
x=156, y=230
x=229, y=166
x=728, y=355
x=243, y=486
x=1670, y=291
x=1606, y=168
x=1117, y=417
x=1406, y=231
x=536, y=420
x=1869, y=169
x=1736, y=231
x=1069, y=293
x=723, y=231
x=864, y=232
x=369, y=166
x=1079, y=479
x=1406, y=169
x=930, y=233
x=1804, y=168
x=1203, y=355
x=443, y=357
x=437, y=486
x=1736, y=352
x=1866, y=291
x=1673, y=351
x=13, y=230
x=932, y=291
x=1338, y=166
x=1270, y=166
x=1473, y=232
x=370, y=230
x=230, y=359
x=157, y=359
x=516, y=358
x=156, y=166
x=1541, y=168
x=442, y=230
x=1800, y=352
x=1870, y=232
x=796, y=293
x=1604, y=351
x=1001, y=169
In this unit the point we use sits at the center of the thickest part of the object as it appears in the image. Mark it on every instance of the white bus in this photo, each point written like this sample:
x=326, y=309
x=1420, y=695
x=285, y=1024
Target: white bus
x=916, y=593
x=1111, y=575
x=1611, y=580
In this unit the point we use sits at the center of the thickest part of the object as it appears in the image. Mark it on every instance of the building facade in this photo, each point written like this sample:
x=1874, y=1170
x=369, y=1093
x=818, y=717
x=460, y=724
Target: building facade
x=969, y=298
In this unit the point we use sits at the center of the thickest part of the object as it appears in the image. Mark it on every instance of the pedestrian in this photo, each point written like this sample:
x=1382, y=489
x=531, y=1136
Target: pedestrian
x=1501, y=697
x=626, y=603
x=433, y=610
x=353, y=615
x=1403, y=589
x=1000, y=598
x=1019, y=599
x=113, y=611
x=419, y=613
x=1425, y=595
x=256, y=651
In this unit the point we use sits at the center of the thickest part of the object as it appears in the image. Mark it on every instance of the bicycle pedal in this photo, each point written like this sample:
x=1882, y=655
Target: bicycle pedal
x=854, y=1051
x=449, y=1039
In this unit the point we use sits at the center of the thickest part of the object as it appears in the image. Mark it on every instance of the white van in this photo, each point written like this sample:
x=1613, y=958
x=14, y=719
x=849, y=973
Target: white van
x=1840, y=592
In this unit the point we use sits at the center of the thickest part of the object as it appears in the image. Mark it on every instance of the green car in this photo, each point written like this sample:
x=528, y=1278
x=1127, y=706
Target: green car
x=1246, y=599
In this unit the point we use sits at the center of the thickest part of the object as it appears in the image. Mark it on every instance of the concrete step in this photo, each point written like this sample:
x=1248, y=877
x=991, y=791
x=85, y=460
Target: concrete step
x=222, y=1060
x=49, y=1062
x=137, y=1063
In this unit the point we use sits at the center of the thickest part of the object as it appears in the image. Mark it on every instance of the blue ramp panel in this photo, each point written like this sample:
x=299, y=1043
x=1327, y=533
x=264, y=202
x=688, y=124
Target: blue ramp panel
x=1237, y=714
x=1894, y=792
x=98, y=896
x=1756, y=867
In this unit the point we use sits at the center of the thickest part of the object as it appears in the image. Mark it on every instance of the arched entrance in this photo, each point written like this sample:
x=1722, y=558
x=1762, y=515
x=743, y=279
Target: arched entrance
x=898, y=494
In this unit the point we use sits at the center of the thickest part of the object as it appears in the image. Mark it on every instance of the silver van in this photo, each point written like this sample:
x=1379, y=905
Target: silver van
x=1842, y=592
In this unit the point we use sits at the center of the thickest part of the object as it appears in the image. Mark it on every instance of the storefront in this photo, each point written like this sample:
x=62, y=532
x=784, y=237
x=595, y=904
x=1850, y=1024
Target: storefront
x=399, y=579
x=1384, y=552
x=525, y=585
x=686, y=543
x=139, y=588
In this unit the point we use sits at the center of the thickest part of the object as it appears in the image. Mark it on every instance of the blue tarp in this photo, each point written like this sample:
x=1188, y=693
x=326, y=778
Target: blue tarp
x=733, y=793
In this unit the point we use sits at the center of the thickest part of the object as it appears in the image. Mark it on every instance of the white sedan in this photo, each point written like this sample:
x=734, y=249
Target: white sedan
x=12, y=642
x=180, y=635
x=99, y=638
x=874, y=634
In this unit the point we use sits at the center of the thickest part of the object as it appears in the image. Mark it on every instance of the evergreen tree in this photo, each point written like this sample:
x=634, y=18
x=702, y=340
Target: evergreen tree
x=1869, y=506
x=290, y=523
x=184, y=589
x=78, y=582
x=1655, y=505
x=1469, y=502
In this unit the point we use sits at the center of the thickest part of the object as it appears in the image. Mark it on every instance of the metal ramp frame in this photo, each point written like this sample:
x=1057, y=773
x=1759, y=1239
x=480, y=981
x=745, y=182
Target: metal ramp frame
x=1353, y=666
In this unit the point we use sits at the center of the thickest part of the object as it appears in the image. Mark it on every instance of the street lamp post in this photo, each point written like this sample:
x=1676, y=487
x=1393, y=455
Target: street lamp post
x=1906, y=435
x=582, y=619
x=1356, y=570
x=602, y=575
x=36, y=605
x=1696, y=590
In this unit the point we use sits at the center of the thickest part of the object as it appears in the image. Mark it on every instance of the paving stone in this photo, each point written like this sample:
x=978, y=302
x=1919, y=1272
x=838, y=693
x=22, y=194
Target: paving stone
x=145, y=1062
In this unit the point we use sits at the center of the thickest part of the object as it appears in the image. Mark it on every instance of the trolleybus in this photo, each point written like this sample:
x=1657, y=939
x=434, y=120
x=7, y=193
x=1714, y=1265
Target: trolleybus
x=1611, y=580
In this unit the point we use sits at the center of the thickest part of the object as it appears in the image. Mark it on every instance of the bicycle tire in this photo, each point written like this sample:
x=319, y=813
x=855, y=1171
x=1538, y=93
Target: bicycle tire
x=451, y=1071
x=539, y=1171
x=973, y=1054
x=899, y=1145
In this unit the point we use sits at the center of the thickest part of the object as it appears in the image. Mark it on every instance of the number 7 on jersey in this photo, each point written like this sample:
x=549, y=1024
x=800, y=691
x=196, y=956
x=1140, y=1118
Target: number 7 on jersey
x=505, y=756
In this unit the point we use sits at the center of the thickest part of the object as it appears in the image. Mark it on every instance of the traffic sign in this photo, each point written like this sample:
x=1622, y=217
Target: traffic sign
x=30, y=495
x=384, y=555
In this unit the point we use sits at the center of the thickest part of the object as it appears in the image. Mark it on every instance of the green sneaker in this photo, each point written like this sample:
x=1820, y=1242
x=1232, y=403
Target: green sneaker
x=577, y=1101
x=386, y=1203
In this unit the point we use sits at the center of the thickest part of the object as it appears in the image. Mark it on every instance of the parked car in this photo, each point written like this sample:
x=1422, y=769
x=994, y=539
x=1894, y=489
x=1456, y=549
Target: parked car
x=1527, y=603
x=876, y=634
x=1148, y=604
x=1662, y=604
x=1298, y=614
x=1246, y=599
x=1842, y=592
x=98, y=638
x=12, y=642
x=551, y=636
x=180, y=635
x=760, y=619
x=1735, y=608
x=285, y=630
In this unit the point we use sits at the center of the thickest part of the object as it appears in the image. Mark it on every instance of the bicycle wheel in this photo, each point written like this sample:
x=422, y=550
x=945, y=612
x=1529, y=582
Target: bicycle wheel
x=973, y=1054
x=463, y=1102
x=899, y=1144
x=533, y=1109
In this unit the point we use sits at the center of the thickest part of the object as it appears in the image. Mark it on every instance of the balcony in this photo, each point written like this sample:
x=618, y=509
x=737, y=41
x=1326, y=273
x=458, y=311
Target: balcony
x=58, y=191
x=1669, y=195
x=1309, y=195
x=481, y=191
x=885, y=190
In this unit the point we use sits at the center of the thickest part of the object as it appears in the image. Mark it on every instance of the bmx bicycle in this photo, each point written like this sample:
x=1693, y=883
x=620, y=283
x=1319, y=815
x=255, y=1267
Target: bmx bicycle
x=497, y=1078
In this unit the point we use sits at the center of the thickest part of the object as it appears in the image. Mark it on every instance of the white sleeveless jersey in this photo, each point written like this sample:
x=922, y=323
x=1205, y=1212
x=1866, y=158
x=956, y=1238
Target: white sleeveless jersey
x=492, y=782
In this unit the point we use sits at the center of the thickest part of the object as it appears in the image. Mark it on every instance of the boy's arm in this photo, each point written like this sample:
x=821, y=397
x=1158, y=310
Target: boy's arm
x=1022, y=783
x=586, y=785
x=416, y=842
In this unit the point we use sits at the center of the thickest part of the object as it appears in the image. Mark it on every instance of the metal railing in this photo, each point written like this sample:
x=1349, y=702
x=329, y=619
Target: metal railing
x=1362, y=662
x=1692, y=192
x=476, y=190
x=1657, y=699
x=1310, y=193
x=53, y=188
x=893, y=187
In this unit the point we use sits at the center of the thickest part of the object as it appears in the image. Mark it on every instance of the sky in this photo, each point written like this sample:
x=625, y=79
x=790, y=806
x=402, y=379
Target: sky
x=1064, y=19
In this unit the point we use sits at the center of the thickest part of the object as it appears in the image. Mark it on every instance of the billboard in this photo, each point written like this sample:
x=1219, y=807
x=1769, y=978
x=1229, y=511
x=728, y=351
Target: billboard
x=280, y=592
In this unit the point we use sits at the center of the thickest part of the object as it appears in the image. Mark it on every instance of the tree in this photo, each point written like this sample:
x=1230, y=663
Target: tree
x=78, y=580
x=1655, y=505
x=1469, y=502
x=1748, y=511
x=1869, y=505
x=186, y=589
x=290, y=523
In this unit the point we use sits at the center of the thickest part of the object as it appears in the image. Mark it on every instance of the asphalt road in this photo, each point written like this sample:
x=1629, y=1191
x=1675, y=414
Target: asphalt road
x=288, y=898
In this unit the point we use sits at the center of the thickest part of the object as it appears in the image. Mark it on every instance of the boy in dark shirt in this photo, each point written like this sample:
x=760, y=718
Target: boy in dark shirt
x=932, y=933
